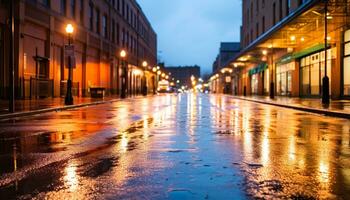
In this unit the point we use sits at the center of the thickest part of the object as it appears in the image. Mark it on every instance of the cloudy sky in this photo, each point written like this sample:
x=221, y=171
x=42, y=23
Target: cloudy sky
x=190, y=31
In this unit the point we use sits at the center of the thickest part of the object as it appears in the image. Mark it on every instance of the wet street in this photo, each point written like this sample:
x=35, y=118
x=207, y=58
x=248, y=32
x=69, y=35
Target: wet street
x=184, y=146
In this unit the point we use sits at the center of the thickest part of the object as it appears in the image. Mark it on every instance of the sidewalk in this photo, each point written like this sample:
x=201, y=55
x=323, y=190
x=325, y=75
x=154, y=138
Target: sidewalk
x=337, y=108
x=36, y=106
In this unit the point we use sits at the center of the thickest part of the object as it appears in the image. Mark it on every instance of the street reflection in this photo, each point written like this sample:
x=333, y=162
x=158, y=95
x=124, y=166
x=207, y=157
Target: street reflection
x=70, y=179
x=159, y=144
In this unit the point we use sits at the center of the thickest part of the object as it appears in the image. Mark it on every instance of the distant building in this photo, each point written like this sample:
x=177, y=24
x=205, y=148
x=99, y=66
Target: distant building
x=223, y=84
x=184, y=73
x=227, y=51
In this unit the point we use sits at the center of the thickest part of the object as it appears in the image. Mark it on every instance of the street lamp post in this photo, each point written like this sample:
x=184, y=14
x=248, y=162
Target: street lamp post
x=12, y=59
x=272, y=82
x=124, y=75
x=69, y=96
x=325, y=80
x=144, y=80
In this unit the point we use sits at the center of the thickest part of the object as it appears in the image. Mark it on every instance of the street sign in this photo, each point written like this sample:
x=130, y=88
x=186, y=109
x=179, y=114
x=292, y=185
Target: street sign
x=69, y=56
x=69, y=50
x=70, y=59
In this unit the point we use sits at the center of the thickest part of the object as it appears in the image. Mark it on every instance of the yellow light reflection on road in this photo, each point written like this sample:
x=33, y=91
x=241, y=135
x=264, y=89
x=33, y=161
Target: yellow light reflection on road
x=70, y=179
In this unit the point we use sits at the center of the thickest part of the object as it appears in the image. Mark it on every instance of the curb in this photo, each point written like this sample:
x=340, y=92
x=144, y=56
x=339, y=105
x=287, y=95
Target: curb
x=55, y=109
x=325, y=112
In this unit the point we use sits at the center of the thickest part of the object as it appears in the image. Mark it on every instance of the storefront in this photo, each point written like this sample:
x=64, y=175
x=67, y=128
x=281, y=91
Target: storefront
x=284, y=73
x=257, y=76
x=312, y=71
x=254, y=83
x=346, y=69
x=266, y=81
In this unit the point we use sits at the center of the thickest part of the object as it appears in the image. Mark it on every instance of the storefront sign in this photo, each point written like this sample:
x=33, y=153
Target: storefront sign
x=260, y=68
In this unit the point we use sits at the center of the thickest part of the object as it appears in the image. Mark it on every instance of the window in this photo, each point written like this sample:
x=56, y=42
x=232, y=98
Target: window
x=281, y=10
x=274, y=13
x=91, y=16
x=113, y=30
x=288, y=7
x=81, y=11
x=104, y=26
x=63, y=7
x=46, y=3
x=97, y=21
x=72, y=8
x=123, y=8
x=346, y=70
x=118, y=35
x=263, y=24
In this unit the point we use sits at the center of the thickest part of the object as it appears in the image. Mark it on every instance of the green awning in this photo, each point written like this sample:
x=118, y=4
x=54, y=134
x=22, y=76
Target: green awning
x=260, y=68
x=308, y=51
x=285, y=59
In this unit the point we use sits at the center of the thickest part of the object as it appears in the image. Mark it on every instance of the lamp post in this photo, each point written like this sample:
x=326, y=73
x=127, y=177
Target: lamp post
x=272, y=82
x=325, y=80
x=124, y=75
x=12, y=58
x=69, y=96
x=144, y=80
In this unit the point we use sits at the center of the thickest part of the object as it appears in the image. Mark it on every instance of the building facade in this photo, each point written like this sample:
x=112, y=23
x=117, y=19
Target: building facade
x=286, y=51
x=223, y=83
x=102, y=28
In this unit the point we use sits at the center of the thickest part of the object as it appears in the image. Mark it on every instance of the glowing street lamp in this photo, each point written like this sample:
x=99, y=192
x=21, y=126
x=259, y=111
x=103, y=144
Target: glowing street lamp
x=144, y=64
x=144, y=80
x=123, y=55
x=70, y=52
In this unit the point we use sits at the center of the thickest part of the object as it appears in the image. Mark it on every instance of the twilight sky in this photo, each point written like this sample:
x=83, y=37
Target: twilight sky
x=190, y=31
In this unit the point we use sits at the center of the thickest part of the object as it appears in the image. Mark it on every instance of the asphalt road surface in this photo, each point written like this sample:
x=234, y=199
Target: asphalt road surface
x=188, y=146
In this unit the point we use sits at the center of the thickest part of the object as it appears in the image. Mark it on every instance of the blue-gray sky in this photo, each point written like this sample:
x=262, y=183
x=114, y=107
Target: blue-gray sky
x=190, y=31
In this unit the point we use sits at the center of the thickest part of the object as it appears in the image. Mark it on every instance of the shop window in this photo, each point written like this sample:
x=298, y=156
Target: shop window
x=284, y=78
x=346, y=70
x=312, y=72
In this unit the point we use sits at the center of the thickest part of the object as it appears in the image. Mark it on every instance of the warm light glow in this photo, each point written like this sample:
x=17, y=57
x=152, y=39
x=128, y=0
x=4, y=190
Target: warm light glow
x=166, y=77
x=293, y=38
x=123, y=54
x=302, y=39
x=270, y=46
x=158, y=67
x=159, y=72
x=137, y=72
x=144, y=64
x=329, y=38
x=163, y=75
x=264, y=52
x=69, y=29
x=192, y=78
x=154, y=69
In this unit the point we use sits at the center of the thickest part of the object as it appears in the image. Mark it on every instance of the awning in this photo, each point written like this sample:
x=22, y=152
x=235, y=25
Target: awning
x=260, y=68
x=309, y=51
x=292, y=56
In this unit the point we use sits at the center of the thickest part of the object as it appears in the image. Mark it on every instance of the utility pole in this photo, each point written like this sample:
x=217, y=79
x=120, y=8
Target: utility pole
x=12, y=58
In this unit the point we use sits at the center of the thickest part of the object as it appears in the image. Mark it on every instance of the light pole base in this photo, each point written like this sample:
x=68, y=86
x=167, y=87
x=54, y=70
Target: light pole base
x=69, y=97
x=325, y=90
x=272, y=90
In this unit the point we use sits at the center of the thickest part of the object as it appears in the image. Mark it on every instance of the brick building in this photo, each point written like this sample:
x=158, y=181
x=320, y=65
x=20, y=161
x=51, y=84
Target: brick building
x=227, y=51
x=284, y=44
x=102, y=29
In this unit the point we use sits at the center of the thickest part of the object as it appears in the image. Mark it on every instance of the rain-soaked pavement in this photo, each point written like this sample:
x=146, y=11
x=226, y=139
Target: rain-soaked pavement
x=175, y=147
